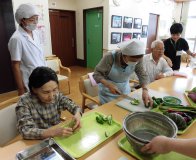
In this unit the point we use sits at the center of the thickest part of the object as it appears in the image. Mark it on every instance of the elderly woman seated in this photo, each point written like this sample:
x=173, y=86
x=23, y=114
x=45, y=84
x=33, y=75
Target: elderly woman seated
x=40, y=109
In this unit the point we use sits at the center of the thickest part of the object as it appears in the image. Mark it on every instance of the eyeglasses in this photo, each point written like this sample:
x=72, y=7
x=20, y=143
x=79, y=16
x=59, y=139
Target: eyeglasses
x=159, y=50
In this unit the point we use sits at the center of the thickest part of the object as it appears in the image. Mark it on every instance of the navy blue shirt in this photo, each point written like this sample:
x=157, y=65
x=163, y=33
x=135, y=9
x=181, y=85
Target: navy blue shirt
x=171, y=48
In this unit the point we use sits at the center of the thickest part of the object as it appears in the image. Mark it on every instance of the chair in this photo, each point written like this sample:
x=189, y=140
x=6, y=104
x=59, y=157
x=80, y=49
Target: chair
x=55, y=63
x=8, y=120
x=89, y=93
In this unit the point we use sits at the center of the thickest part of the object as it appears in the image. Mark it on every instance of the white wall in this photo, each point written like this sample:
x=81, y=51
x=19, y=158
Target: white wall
x=165, y=8
x=132, y=8
x=62, y=4
x=44, y=22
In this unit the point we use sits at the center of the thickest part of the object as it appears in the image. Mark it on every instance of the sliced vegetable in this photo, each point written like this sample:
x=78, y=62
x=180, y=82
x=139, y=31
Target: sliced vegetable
x=110, y=119
x=104, y=119
x=135, y=101
x=107, y=134
x=99, y=119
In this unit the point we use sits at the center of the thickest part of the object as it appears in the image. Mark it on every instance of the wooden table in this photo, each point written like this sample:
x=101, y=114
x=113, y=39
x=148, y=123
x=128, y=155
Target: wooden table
x=109, y=149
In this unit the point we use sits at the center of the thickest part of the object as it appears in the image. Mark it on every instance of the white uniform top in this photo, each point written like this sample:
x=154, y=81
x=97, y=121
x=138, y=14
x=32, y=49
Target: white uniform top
x=26, y=50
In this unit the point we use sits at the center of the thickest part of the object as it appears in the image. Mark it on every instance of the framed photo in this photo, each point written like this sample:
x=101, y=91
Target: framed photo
x=127, y=22
x=144, y=31
x=116, y=21
x=115, y=37
x=137, y=35
x=126, y=36
x=137, y=23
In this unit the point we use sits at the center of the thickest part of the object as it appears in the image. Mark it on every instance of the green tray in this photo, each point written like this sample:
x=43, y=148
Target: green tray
x=179, y=131
x=125, y=145
x=189, y=100
x=89, y=136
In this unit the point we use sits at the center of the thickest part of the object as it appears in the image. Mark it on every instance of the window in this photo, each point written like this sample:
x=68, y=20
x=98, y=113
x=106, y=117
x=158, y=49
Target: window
x=190, y=33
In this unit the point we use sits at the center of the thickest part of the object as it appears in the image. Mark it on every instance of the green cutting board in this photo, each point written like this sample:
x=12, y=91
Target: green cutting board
x=89, y=136
x=126, y=146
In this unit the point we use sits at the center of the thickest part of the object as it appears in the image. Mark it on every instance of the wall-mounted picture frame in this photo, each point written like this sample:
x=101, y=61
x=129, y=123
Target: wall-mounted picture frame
x=137, y=23
x=116, y=21
x=115, y=37
x=127, y=22
x=126, y=36
x=136, y=35
x=144, y=31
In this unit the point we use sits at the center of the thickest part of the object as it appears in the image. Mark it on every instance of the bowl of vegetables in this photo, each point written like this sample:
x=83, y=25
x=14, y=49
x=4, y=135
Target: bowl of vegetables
x=141, y=127
x=171, y=101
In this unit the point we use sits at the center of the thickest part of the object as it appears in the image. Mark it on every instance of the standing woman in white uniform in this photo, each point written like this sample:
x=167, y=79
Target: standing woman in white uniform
x=25, y=46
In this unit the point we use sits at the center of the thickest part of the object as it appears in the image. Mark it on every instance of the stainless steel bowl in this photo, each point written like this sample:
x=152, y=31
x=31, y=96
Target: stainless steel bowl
x=141, y=127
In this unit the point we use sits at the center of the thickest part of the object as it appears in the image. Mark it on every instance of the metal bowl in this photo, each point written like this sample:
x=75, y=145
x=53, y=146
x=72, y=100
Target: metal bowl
x=141, y=127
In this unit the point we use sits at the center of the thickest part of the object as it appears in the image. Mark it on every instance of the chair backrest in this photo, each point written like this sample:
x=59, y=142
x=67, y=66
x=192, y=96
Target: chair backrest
x=8, y=123
x=53, y=64
x=86, y=86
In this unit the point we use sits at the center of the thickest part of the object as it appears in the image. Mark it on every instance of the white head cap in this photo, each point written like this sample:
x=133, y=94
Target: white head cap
x=132, y=47
x=25, y=11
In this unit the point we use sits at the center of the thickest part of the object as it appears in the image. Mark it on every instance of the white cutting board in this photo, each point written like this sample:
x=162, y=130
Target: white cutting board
x=125, y=103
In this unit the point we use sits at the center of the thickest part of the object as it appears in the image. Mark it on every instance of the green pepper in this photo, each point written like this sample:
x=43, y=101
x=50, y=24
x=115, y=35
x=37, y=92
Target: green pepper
x=147, y=106
x=157, y=100
x=107, y=134
x=99, y=119
x=109, y=119
x=154, y=104
x=135, y=101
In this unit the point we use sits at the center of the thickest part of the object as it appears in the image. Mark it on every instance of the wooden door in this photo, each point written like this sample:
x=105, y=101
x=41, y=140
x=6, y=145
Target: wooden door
x=7, y=28
x=152, y=30
x=63, y=35
x=94, y=36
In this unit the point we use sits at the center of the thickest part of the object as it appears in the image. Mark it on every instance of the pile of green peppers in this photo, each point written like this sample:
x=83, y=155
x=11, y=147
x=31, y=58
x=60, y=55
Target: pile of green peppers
x=104, y=119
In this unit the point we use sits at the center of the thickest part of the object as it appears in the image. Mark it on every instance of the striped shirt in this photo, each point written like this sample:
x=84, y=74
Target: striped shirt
x=153, y=69
x=33, y=116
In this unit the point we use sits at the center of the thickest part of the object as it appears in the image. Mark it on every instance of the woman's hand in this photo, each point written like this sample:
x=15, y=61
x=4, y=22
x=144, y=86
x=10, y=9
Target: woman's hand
x=146, y=98
x=113, y=89
x=77, y=118
x=158, y=144
x=57, y=131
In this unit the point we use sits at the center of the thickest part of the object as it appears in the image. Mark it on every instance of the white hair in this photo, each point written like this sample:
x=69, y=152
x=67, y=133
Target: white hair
x=154, y=43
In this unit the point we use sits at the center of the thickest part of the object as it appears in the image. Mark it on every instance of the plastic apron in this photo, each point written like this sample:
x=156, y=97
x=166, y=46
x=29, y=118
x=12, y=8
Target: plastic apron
x=119, y=77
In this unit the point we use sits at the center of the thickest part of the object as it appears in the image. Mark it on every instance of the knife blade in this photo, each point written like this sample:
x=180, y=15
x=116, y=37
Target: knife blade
x=127, y=97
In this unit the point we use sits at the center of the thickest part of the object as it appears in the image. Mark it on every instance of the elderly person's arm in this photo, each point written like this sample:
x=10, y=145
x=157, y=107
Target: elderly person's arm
x=162, y=144
x=167, y=70
x=26, y=124
x=66, y=103
x=143, y=79
x=102, y=70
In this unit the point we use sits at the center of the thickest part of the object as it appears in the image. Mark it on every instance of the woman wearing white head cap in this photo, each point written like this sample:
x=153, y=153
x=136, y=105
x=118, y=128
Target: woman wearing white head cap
x=113, y=71
x=25, y=46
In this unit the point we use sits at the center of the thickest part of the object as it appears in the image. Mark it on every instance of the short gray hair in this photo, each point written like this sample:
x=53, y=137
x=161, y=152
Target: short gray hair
x=154, y=43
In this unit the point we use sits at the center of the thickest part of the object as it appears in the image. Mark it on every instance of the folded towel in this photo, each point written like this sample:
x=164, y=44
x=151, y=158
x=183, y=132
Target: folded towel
x=93, y=82
x=180, y=74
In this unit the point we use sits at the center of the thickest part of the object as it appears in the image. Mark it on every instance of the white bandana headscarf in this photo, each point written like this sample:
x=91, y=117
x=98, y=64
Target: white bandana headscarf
x=25, y=11
x=132, y=47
